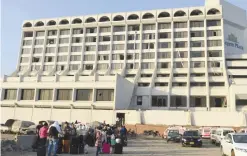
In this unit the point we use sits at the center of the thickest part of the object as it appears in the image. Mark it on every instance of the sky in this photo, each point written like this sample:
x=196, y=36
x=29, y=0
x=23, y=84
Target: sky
x=14, y=12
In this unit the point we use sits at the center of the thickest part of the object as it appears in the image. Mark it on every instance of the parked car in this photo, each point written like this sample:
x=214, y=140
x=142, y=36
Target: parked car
x=234, y=144
x=243, y=130
x=205, y=132
x=213, y=135
x=173, y=135
x=181, y=130
x=20, y=126
x=191, y=138
x=30, y=130
x=221, y=133
x=6, y=128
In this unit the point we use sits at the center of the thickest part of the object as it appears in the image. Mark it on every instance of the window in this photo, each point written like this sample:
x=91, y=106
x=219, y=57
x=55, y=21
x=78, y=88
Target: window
x=28, y=34
x=214, y=43
x=149, y=27
x=119, y=38
x=118, y=47
x=164, y=35
x=146, y=75
x=62, y=58
x=159, y=84
x=105, y=38
x=215, y=53
x=130, y=56
x=76, y=48
x=136, y=56
x=63, y=49
x=27, y=94
x=117, y=66
x=64, y=32
x=148, y=55
x=197, y=74
x=133, y=17
x=132, y=37
x=179, y=75
x=132, y=46
x=37, y=50
x=195, y=24
x=129, y=66
x=63, y=40
x=181, y=64
x=104, y=47
x=163, y=65
x=198, y=84
x=88, y=66
x=64, y=94
x=50, y=50
x=163, y=55
x=49, y=59
x=51, y=41
x=164, y=26
x=182, y=44
x=197, y=44
x=45, y=94
x=74, y=67
x=52, y=32
x=91, y=30
x=183, y=34
x=147, y=65
x=214, y=33
x=24, y=59
x=149, y=36
x=39, y=41
x=181, y=54
x=214, y=64
x=78, y=31
x=90, y=48
x=47, y=68
x=180, y=25
x=197, y=34
x=179, y=84
x=133, y=28
x=195, y=54
x=91, y=39
x=147, y=45
x=117, y=56
x=105, y=95
x=197, y=64
x=35, y=68
x=36, y=59
x=10, y=94
x=75, y=58
x=105, y=29
x=139, y=100
x=89, y=57
x=102, y=66
x=26, y=50
x=27, y=42
x=159, y=101
x=143, y=84
x=119, y=28
x=216, y=84
x=40, y=33
x=76, y=39
x=163, y=75
x=84, y=94
x=22, y=68
x=212, y=23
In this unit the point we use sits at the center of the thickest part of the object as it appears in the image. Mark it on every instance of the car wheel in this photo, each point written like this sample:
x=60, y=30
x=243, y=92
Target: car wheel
x=232, y=153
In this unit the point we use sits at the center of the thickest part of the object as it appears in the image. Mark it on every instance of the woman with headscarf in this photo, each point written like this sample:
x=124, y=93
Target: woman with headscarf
x=53, y=132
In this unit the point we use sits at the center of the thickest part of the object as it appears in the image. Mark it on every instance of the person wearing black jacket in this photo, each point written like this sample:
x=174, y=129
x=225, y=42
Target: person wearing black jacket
x=108, y=135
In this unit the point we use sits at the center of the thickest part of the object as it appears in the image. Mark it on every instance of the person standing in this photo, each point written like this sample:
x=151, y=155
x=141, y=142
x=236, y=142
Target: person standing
x=53, y=132
x=43, y=134
x=98, y=142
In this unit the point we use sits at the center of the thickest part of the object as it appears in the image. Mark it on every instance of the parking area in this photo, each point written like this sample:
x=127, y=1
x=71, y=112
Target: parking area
x=143, y=147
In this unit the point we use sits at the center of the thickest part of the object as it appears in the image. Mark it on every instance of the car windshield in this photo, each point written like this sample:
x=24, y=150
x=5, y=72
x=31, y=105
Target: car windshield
x=191, y=133
x=173, y=133
x=240, y=138
x=206, y=130
x=225, y=132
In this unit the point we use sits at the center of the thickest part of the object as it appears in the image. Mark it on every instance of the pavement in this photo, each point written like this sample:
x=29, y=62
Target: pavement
x=144, y=147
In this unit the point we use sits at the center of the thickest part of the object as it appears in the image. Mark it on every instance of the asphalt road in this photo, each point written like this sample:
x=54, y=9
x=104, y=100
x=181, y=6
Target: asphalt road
x=141, y=147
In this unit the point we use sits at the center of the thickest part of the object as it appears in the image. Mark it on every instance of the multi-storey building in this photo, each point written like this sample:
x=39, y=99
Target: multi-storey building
x=172, y=59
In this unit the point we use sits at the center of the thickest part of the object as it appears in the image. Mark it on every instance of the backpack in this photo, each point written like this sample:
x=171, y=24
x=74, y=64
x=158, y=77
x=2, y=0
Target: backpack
x=53, y=132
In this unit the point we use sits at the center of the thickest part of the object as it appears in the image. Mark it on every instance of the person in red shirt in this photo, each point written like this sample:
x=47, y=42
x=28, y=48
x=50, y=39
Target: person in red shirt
x=43, y=133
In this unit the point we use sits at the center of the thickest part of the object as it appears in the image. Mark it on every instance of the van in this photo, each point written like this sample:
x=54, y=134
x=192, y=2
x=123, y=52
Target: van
x=205, y=132
x=221, y=133
x=20, y=125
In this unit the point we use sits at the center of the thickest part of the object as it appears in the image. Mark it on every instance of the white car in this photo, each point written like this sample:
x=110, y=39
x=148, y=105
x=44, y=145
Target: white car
x=234, y=144
x=221, y=133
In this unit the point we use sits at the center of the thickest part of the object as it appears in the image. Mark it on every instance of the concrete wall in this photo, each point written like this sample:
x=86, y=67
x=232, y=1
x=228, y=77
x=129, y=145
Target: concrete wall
x=154, y=117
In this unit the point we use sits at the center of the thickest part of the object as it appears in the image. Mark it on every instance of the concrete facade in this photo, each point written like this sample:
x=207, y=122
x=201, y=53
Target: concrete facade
x=182, y=64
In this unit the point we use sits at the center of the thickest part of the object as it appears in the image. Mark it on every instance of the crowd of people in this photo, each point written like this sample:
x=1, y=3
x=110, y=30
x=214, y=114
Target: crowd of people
x=59, y=137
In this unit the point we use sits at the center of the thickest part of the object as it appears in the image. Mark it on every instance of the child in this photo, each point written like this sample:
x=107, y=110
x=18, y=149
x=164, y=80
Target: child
x=113, y=142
